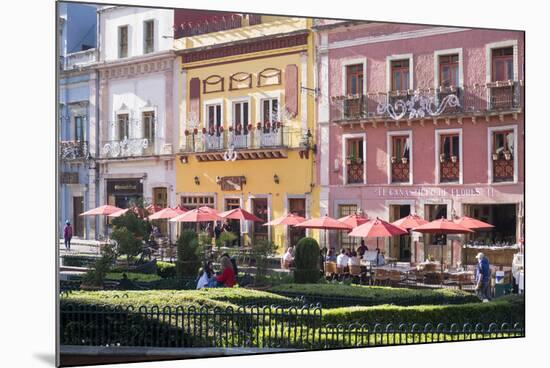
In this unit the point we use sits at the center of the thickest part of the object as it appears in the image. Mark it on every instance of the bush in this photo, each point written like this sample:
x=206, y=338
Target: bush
x=306, y=259
x=127, y=243
x=166, y=269
x=225, y=238
x=498, y=311
x=138, y=227
x=189, y=254
x=70, y=260
x=260, y=252
x=339, y=295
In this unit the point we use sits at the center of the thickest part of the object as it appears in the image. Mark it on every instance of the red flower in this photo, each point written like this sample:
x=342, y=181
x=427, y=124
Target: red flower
x=203, y=130
x=195, y=131
x=239, y=127
x=221, y=129
x=259, y=125
x=279, y=124
x=186, y=132
x=230, y=128
x=267, y=125
x=250, y=127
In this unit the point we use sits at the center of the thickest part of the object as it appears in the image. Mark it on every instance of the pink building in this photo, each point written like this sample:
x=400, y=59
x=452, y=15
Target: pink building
x=421, y=119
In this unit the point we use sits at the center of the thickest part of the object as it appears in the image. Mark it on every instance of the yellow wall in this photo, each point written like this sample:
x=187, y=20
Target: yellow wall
x=296, y=175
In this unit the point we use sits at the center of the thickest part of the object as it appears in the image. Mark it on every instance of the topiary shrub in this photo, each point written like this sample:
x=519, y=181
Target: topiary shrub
x=189, y=254
x=166, y=269
x=306, y=259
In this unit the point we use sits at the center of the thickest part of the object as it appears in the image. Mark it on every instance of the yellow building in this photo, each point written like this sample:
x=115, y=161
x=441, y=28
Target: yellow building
x=247, y=134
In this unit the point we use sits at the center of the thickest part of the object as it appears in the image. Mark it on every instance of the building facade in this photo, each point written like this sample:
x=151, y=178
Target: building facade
x=246, y=116
x=77, y=80
x=136, y=86
x=426, y=120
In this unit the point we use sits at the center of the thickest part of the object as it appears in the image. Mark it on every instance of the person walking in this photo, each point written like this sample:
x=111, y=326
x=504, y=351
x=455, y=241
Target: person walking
x=67, y=234
x=483, y=274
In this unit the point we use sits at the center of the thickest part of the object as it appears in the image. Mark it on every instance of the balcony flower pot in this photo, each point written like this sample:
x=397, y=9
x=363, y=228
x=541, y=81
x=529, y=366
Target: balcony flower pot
x=393, y=159
x=507, y=155
x=238, y=128
x=441, y=157
x=348, y=161
x=495, y=156
x=454, y=158
x=186, y=132
x=404, y=160
x=203, y=130
x=259, y=126
x=359, y=160
x=230, y=128
x=250, y=127
x=195, y=131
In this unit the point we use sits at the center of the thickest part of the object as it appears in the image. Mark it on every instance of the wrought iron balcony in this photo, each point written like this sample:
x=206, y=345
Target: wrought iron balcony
x=495, y=97
x=73, y=150
x=208, y=26
x=449, y=169
x=503, y=167
x=400, y=170
x=354, y=171
x=127, y=148
x=262, y=136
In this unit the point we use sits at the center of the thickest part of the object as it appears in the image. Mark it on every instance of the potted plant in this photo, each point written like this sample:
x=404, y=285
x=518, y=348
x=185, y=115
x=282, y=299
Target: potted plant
x=404, y=160
x=454, y=158
x=507, y=155
x=359, y=160
x=250, y=127
x=350, y=159
x=495, y=156
x=441, y=157
x=195, y=131
x=186, y=132
x=393, y=159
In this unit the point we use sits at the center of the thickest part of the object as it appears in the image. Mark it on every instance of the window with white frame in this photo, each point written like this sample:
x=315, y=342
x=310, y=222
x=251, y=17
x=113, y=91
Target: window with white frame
x=400, y=158
x=148, y=120
x=123, y=41
x=148, y=36
x=123, y=126
x=354, y=160
x=270, y=113
x=503, y=154
x=240, y=117
x=214, y=117
x=449, y=157
x=79, y=128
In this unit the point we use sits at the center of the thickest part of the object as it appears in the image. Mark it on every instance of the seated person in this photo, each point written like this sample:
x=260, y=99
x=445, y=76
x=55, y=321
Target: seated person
x=342, y=260
x=206, y=278
x=354, y=260
x=227, y=278
x=331, y=255
x=288, y=258
x=380, y=260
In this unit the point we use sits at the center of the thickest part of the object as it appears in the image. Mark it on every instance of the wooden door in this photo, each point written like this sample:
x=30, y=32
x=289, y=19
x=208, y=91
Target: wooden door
x=160, y=198
x=260, y=209
x=296, y=206
x=78, y=221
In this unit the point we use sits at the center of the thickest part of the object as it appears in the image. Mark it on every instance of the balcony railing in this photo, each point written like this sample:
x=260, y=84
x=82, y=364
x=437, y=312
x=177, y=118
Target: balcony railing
x=73, y=150
x=208, y=26
x=127, y=148
x=254, y=138
x=503, y=167
x=495, y=97
x=354, y=171
x=449, y=169
x=400, y=170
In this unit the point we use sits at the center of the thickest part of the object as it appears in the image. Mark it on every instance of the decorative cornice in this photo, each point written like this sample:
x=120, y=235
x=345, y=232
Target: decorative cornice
x=136, y=69
x=105, y=64
x=257, y=44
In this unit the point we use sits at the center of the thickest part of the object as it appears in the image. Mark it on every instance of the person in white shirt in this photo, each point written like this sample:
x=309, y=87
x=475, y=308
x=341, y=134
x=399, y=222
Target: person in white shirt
x=288, y=257
x=206, y=276
x=342, y=259
x=354, y=260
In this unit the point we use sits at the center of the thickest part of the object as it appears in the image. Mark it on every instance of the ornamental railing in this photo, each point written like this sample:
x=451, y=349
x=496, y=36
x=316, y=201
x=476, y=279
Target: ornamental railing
x=258, y=137
x=73, y=150
x=400, y=169
x=503, y=166
x=262, y=327
x=127, y=148
x=495, y=97
x=208, y=26
x=80, y=58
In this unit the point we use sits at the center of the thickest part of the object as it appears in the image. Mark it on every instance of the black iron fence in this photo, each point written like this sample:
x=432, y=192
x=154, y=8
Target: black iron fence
x=217, y=139
x=270, y=326
x=444, y=102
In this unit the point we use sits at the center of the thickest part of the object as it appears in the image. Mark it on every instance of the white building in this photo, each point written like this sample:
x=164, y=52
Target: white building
x=136, y=97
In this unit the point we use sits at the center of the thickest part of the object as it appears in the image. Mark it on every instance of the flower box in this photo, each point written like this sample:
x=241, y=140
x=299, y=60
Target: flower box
x=495, y=156
x=454, y=159
x=393, y=159
x=442, y=157
x=404, y=160
x=507, y=155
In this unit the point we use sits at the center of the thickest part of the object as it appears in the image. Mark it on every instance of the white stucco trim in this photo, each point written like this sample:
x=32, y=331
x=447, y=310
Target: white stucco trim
x=214, y=101
x=323, y=111
x=438, y=133
x=391, y=58
x=438, y=53
x=303, y=96
x=389, y=149
x=183, y=103
x=489, y=62
x=324, y=149
x=345, y=138
x=490, y=132
x=353, y=61
x=261, y=96
x=431, y=31
x=231, y=102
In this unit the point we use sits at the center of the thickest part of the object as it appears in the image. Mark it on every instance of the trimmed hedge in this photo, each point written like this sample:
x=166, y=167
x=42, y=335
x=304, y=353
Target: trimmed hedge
x=306, y=260
x=133, y=276
x=510, y=309
x=330, y=295
x=216, y=297
x=166, y=269
x=79, y=260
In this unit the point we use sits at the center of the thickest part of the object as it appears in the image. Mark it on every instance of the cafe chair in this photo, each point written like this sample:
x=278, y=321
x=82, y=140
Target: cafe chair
x=341, y=273
x=381, y=277
x=355, y=273
x=394, y=277
x=330, y=269
x=465, y=279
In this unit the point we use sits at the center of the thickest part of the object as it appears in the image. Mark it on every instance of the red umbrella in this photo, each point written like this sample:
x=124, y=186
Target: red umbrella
x=208, y=209
x=354, y=220
x=101, y=210
x=472, y=223
x=180, y=209
x=196, y=215
x=324, y=222
x=153, y=208
x=239, y=214
x=165, y=213
x=118, y=213
x=410, y=221
x=442, y=226
x=377, y=228
x=289, y=219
